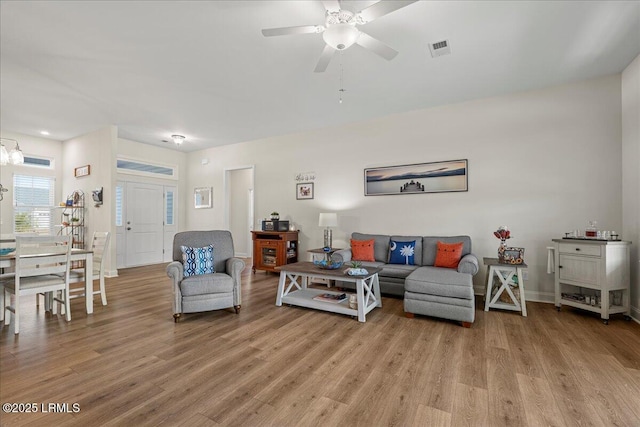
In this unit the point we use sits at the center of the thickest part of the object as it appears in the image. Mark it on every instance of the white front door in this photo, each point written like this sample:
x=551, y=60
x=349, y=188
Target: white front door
x=143, y=224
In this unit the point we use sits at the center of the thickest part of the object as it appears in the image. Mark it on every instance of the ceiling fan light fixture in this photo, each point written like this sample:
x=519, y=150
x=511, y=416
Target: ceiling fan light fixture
x=178, y=139
x=341, y=36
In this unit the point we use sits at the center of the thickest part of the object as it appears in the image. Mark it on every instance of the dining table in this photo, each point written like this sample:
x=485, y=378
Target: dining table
x=8, y=262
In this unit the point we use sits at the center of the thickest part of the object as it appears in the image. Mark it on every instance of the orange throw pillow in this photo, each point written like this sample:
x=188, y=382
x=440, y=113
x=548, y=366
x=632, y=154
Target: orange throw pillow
x=448, y=255
x=362, y=250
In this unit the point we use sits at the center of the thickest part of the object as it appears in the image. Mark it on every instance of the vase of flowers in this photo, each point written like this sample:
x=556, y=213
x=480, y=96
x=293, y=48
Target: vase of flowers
x=503, y=234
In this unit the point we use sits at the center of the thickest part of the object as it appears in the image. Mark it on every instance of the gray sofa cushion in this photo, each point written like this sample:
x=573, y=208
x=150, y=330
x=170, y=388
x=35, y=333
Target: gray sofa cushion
x=444, y=282
x=203, y=284
x=417, y=256
x=400, y=271
x=430, y=247
x=380, y=245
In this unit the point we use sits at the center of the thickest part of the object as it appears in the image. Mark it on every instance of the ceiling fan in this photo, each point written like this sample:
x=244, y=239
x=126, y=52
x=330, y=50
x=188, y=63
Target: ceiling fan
x=340, y=29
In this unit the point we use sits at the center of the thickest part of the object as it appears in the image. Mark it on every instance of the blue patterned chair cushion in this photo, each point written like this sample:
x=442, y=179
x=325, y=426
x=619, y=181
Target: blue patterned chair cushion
x=197, y=260
x=402, y=252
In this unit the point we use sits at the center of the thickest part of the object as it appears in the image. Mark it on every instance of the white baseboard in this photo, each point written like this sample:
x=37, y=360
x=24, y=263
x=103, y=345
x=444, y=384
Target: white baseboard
x=635, y=314
x=549, y=298
x=534, y=296
x=111, y=273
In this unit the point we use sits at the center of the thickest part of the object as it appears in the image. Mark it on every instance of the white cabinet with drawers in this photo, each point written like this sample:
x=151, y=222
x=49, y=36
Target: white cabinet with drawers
x=592, y=275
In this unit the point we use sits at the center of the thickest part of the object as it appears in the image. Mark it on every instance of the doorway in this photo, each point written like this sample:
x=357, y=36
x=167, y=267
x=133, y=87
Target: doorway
x=239, y=215
x=145, y=223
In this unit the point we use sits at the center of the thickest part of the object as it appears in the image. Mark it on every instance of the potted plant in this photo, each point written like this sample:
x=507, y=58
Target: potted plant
x=275, y=215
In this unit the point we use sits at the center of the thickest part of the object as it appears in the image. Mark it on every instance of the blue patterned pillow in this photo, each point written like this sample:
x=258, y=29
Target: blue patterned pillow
x=402, y=252
x=197, y=260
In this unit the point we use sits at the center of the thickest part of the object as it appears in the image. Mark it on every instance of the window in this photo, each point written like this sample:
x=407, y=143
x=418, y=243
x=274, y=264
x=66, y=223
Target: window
x=146, y=169
x=169, y=208
x=118, y=206
x=33, y=201
x=40, y=162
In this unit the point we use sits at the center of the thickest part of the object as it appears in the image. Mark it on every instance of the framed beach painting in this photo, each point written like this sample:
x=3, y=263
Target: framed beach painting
x=419, y=178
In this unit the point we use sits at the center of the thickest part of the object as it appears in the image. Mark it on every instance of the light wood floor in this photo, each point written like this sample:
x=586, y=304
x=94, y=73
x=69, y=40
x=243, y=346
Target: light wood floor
x=129, y=364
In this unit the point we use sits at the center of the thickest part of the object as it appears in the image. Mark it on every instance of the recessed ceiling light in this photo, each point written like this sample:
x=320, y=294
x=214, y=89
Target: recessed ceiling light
x=44, y=132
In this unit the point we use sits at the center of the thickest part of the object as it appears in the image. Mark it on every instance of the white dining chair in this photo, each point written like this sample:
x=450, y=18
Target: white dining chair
x=41, y=266
x=99, y=247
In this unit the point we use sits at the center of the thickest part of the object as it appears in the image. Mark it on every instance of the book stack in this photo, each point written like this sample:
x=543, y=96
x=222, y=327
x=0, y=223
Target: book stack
x=332, y=298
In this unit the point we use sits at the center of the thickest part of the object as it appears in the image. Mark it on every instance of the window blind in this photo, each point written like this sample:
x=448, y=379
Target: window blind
x=33, y=201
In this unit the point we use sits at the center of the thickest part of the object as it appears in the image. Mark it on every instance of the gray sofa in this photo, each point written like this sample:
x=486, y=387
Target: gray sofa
x=207, y=291
x=427, y=290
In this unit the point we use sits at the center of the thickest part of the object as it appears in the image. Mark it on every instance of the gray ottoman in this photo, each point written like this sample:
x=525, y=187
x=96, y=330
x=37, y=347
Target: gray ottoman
x=440, y=292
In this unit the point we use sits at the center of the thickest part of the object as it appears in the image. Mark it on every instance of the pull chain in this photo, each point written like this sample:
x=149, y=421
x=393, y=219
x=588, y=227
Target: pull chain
x=342, y=89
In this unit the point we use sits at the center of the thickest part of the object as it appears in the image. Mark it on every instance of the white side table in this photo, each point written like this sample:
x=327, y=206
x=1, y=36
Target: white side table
x=505, y=274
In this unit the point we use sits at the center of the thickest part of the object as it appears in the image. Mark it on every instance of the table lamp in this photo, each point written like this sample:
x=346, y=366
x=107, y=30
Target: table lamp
x=328, y=220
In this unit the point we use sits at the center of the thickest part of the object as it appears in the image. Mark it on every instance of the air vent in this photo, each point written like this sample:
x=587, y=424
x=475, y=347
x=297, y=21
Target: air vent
x=440, y=48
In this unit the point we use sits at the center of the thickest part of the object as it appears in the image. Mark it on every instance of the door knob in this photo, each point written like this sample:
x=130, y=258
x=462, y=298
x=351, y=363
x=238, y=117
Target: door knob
x=128, y=228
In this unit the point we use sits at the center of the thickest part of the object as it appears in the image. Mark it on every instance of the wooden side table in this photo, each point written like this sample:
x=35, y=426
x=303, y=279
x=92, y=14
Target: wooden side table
x=505, y=274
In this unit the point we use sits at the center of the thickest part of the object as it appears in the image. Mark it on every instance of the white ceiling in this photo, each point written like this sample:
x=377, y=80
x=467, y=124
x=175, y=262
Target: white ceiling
x=204, y=70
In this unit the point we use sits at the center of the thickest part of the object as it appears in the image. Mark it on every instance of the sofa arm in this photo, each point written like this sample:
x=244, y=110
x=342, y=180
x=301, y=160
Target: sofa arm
x=468, y=264
x=175, y=270
x=343, y=255
x=234, y=267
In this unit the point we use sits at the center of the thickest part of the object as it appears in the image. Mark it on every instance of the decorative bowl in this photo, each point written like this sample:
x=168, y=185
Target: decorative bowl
x=328, y=265
x=6, y=251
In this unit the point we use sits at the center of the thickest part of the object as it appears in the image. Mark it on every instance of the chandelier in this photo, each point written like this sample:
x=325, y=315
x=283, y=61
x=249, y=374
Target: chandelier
x=14, y=157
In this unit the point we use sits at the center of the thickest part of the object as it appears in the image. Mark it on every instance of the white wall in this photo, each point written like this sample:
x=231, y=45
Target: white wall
x=96, y=149
x=631, y=174
x=30, y=146
x=542, y=162
x=241, y=182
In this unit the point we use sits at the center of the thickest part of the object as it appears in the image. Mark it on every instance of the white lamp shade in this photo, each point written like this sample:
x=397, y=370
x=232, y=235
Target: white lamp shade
x=328, y=220
x=340, y=36
x=16, y=157
x=4, y=155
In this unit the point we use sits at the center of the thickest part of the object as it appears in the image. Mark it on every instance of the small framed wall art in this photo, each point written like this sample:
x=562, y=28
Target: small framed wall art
x=82, y=171
x=202, y=198
x=304, y=191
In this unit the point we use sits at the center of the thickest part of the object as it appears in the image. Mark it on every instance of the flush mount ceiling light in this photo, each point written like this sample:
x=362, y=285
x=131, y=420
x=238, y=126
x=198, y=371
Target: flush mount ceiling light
x=15, y=156
x=178, y=139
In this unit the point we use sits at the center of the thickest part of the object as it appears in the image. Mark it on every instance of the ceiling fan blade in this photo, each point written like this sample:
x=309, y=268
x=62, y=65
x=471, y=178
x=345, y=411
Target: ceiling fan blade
x=305, y=29
x=331, y=5
x=376, y=46
x=382, y=8
x=325, y=58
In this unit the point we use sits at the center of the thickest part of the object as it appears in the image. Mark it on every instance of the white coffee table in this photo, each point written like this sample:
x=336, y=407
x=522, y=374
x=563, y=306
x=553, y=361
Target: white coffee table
x=293, y=289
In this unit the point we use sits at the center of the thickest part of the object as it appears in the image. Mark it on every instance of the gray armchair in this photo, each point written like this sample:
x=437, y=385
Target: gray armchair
x=206, y=291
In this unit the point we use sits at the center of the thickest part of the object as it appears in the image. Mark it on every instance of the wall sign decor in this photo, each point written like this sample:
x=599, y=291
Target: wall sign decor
x=305, y=176
x=419, y=178
x=202, y=198
x=82, y=171
x=304, y=191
